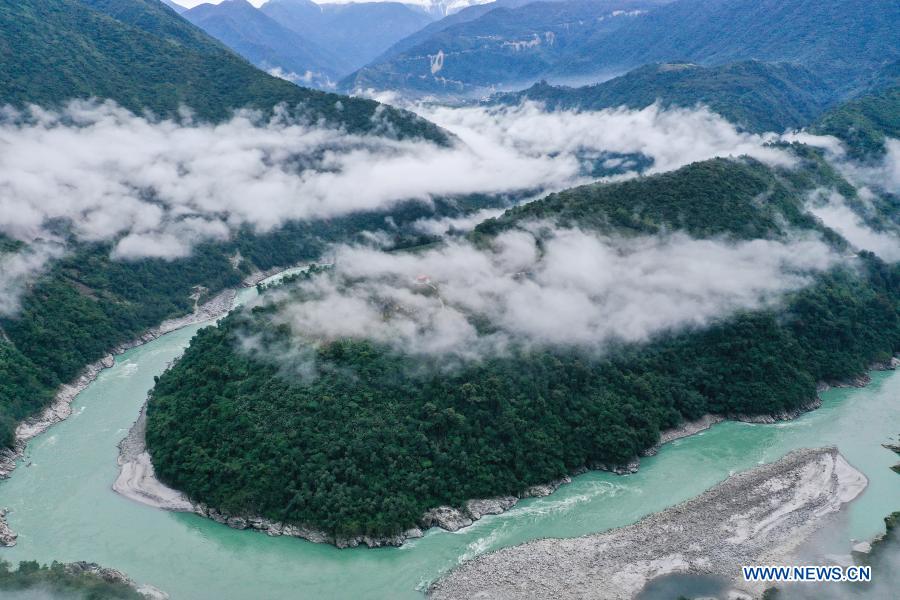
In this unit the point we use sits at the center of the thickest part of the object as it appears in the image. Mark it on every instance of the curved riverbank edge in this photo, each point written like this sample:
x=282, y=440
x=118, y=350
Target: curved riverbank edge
x=755, y=517
x=114, y=576
x=60, y=408
x=137, y=480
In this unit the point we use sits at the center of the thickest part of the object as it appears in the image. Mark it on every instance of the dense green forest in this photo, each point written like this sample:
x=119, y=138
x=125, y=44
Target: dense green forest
x=864, y=123
x=379, y=436
x=58, y=581
x=755, y=95
x=144, y=56
x=742, y=199
x=89, y=303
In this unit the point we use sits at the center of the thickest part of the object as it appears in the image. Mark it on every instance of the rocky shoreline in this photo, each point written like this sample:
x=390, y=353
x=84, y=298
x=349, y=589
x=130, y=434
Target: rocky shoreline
x=137, y=481
x=114, y=576
x=756, y=517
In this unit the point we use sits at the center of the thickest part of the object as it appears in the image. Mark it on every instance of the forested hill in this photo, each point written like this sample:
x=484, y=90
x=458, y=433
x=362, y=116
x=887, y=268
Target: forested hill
x=865, y=122
x=88, y=303
x=719, y=197
x=842, y=41
x=755, y=95
x=266, y=43
x=379, y=435
x=144, y=56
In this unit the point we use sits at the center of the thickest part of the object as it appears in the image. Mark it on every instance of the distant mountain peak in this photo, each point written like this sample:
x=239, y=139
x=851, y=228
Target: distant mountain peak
x=174, y=6
x=433, y=7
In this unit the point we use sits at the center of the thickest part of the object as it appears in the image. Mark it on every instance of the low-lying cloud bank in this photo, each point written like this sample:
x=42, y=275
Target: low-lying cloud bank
x=831, y=208
x=578, y=290
x=20, y=269
x=156, y=188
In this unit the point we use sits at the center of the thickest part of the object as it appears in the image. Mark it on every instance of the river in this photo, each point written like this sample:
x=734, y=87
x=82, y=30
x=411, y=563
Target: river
x=63, y=508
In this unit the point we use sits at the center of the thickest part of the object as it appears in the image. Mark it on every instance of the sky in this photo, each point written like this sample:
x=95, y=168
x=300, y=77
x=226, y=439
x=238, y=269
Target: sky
x=193, y=3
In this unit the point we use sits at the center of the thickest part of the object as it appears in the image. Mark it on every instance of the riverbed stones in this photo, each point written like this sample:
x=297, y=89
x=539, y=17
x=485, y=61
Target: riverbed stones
x=757, y=517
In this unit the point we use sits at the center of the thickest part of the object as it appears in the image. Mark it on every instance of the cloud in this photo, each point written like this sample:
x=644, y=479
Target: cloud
x=672, y=137
x=575, y=289
x=883, y=175
x=20, y=269
x=831, y=208
x=445, y=225
x=157, y=187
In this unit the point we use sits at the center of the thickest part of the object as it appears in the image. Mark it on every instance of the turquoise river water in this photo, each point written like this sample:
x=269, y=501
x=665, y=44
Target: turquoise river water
x=62, y=506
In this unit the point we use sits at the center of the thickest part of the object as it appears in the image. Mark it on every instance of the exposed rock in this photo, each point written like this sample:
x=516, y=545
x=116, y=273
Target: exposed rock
x=489, y=506
x=686, y=429
x=787, y=415
x=888, y=365
x=757, y=517
x=862, y=547
x=7, y=535
x=152, y=593
x=544, y=489
x=446, y=517
x=113, y=576
x=628, y=468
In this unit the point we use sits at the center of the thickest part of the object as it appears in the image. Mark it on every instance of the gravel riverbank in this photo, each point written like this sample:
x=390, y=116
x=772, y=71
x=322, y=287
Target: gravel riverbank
x=756, y=517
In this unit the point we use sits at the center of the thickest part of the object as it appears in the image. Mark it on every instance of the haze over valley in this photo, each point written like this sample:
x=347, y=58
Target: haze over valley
x=283, y=281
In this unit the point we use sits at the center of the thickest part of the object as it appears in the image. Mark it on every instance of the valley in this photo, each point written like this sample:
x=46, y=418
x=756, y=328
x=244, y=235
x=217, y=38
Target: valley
x=448, y=298
x=63, y=503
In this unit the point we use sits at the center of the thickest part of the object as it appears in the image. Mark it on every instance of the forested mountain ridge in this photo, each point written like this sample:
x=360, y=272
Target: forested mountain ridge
x=356, y=31
x=88, y=303
x=465, y=15
x=840, y=41
x=864, y=123
x=144, y=56
x=712, y=198
x=757, y=96
x=379, y=436
x=266, y=43
x=502, y=46
x=843, y=42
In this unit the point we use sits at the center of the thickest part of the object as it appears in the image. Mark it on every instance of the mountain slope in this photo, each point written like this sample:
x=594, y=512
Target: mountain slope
x=839, y=40
x=757, y=96
x=465, y=15
x=864, y=123
x=501, y=47
x=843, y=42
x=380, y=435
x=144, y=56
x=174, y=6
x=265, y=43
x=355, y=32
